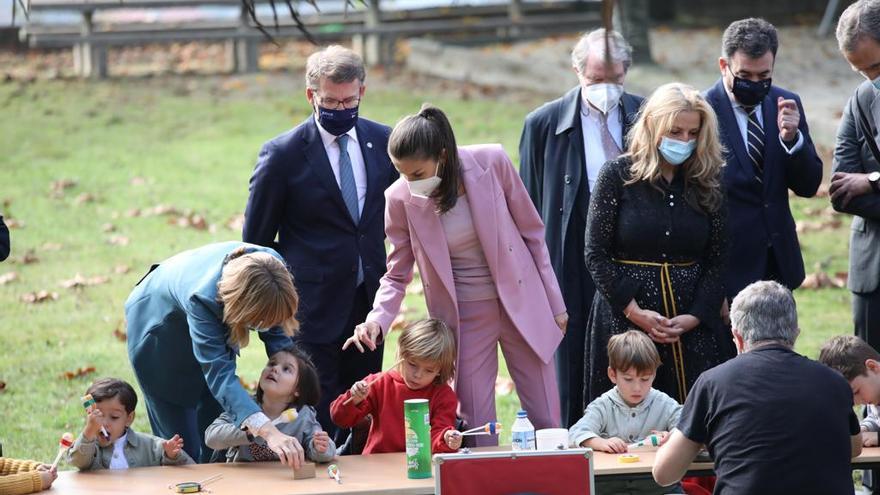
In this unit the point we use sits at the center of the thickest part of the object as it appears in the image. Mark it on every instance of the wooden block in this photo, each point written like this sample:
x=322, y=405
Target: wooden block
x=305, y=472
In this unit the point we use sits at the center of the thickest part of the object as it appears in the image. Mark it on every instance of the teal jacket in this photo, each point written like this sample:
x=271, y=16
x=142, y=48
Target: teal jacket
x=177, y=341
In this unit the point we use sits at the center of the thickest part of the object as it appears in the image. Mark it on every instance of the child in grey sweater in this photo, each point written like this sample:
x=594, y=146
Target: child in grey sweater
x=289, y=380
x=112, y=414
x=630, y=411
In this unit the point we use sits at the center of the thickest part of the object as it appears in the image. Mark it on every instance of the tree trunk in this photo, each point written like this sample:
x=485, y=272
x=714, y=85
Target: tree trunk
x=635, y=23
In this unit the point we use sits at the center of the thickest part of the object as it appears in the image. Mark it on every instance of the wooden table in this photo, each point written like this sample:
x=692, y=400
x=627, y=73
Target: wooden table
x=371, y=474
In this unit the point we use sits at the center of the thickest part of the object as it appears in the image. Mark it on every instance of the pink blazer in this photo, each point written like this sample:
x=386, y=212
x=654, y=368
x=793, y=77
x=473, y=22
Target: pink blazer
x=510, y=232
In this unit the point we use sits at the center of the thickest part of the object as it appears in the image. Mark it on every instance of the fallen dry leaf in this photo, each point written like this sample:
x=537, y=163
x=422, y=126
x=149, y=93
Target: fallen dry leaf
x=2, y=386
x=191, y=220
x=78, y=281
x=503, y=386
x=84, y=198
x=138, y=181
x=134, y=212
x=51, y=246
x=249, y=386
x=235, y=222
x=121, y=269
x=57, y=187
x=161, y=209
x=233, y=84
x=83, y=371
x=108, y=227
x=39, y=297
x=821, y=280
x=13, y=223
x=118, y=240
x=119, y=333
x=28, y=258
x=8, y=277
x=399, y=322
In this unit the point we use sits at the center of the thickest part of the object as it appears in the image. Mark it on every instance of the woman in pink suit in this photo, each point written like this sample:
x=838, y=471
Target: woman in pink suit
x=464, y=217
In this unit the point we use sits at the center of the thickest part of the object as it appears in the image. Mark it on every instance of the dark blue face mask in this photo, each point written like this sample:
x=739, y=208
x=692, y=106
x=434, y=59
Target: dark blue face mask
x=750, y=93
x=337, y=122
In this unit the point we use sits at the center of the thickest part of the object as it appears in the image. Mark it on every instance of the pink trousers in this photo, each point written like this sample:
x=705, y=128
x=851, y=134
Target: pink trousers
x=482, y=326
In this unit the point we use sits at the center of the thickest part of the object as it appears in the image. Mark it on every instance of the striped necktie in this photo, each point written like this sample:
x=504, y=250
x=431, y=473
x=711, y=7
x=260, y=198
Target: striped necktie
x=755, y=141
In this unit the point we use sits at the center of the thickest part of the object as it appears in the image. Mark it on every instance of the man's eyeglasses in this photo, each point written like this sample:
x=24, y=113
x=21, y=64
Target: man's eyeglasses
x=334, y=104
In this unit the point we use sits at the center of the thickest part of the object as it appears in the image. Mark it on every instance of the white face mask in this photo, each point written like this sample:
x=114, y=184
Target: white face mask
x=603, y=96
x=424, y=187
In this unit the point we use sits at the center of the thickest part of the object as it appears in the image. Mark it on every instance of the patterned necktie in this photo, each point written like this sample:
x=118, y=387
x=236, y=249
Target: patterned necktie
x=755, y=140
x=346, y=179
x=609, y=145
x=349, y=191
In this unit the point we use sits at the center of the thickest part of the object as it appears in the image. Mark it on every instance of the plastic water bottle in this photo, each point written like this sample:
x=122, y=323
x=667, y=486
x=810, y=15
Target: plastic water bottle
x=522, y=433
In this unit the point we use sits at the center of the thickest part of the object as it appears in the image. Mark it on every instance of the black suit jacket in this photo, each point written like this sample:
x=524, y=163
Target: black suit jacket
x=758, y=212
x=553, y=165
x=853, y=155
x=294, y=194
x=4, y=240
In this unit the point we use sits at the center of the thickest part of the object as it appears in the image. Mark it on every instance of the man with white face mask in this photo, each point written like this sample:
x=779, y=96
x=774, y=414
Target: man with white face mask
x=769, y=151
x=564, y=144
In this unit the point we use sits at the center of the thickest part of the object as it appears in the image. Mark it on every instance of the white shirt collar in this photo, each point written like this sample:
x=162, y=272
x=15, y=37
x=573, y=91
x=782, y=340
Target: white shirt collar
x=328, y=139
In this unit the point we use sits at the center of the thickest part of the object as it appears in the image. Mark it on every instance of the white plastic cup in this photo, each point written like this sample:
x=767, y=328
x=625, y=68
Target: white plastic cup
x=552, y=439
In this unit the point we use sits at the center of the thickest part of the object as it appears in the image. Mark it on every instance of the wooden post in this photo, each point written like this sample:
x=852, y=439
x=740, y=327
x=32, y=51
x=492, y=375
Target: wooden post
x=245, y=50
x=89, y=60
x=372, y=43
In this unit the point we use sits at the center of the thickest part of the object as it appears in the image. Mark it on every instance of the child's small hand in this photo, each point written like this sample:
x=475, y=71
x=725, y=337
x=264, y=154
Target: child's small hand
x=870, y=438
x=94, y=421
x=452, y=439
x=613, y=445
x=321, y=441
x=173, y=447
x=359, y=391
x=663, y=435
x=47, y=477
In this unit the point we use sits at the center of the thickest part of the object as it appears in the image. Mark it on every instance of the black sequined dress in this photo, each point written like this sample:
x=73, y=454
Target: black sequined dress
x=632, y=231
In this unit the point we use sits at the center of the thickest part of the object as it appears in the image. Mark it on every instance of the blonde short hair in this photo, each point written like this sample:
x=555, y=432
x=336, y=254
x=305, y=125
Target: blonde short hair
x=703, y=168
x=429, y=340
x=256, y=290
x=633, y=349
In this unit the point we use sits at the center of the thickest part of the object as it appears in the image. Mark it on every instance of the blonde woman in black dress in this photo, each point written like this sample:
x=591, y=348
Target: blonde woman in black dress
x=655, y=243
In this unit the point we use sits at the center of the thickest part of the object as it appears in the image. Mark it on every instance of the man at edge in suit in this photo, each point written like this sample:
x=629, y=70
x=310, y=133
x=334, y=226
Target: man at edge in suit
x=768, y=151
x=320, y=188
x=564, y=143
x=855, y=178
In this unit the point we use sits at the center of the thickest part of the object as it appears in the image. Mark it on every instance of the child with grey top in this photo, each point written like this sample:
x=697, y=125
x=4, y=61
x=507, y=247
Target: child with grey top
x=121, y=447
x=289, y=380
x=630, y=411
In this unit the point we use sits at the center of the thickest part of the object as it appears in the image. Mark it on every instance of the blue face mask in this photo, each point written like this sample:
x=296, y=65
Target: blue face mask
x=676, y=152
x=337, y=122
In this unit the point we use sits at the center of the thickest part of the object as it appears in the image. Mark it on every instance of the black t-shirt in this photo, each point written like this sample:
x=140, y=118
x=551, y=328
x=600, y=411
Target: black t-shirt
x=775, y=422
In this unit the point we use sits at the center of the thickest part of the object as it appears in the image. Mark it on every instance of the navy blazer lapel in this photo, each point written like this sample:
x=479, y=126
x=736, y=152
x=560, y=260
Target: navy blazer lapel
x=375, y=192
x=729, y=129
x=316, y=155
x=569, y=123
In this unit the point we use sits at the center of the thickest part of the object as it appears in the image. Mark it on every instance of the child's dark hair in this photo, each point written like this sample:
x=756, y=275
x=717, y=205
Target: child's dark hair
x=428, y=135
x=847, y=354
x=633, y=349
x=308, y=385
x=108, y=388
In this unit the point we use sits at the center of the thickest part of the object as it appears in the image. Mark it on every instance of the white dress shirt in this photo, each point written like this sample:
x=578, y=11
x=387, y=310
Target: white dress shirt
x=357, y=160
x=118, y=460
x=591, y=128
x=742, y=121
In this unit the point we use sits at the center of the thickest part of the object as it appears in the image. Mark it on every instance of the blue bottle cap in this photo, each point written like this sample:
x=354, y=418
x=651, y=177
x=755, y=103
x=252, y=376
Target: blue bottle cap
x=521, y=413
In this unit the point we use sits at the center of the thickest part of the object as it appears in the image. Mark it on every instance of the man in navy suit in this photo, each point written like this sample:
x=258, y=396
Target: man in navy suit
x=768, y=151
x=320, y=188
x=564, y=144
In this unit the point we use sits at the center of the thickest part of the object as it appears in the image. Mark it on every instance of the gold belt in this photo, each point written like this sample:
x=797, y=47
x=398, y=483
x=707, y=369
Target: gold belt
x=670, y=311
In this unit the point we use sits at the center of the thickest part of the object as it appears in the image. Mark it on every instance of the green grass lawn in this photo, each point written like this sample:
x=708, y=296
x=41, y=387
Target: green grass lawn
x=189, y=144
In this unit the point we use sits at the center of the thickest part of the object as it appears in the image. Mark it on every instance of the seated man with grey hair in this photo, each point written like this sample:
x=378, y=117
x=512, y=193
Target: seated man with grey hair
x=774, y=421
x=564, y=143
